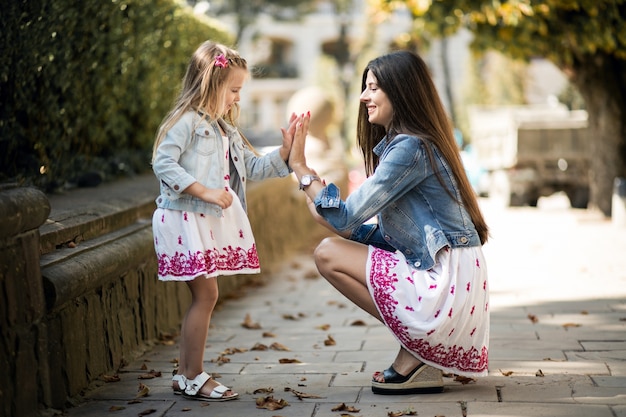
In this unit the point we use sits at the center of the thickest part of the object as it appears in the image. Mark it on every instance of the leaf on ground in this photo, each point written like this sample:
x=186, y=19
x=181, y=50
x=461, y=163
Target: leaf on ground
x=267, y=390
x=186, y=409
x=568, y=325
x=142, y=391
x=329, y=341
x=584, y=312
x=358, y=323
x=249, y=324
x=344, y=407
x=259, y=346
x=270, y=403
x=111, y=378
x=311, y=275
x=539, y=373
x=135, y=401
x=268, y=334
x=506, y=373
x=233, y=350
x=147, y=412
x=300, y=394
x=221, y=359
x=116, y=408
x=144, y=367
x=150, y=374
x=279, y=346
x=285, y=360
x=323, y=327
x=533, y=318
x=464, y=380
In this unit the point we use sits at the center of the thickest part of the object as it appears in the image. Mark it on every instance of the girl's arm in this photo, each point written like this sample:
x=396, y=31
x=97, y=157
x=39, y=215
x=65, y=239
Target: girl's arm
x=218, y=196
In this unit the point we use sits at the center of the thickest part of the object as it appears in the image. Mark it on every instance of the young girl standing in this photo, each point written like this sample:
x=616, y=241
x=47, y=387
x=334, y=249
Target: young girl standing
x=200, y=226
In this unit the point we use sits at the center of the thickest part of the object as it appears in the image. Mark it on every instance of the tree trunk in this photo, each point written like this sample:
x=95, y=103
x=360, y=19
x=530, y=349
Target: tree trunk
x=600, y=80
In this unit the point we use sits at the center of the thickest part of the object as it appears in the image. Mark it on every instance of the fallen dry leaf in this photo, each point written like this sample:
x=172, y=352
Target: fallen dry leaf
x=221, y=359
x=507, y=373
x=533, y=318
x=344, y=407
x=279, y=346
x=268, y=334
x=464, y=380
x=150, y=375
x=358, y=323
x=267, y=390
x=116, y=408
x=111, y=378
x=285, y=360
x=144, y=367
x=147, y=412
x=300, y=394
x=259, y=346
x=311, y=275
x=186, y=409
x=270, y=403
x=249, y=324
x=584, y=312
x=233, y=350
x=323, y=327
x=567, y=325
x=539, y=373
x=142, y=391
x=329, y=341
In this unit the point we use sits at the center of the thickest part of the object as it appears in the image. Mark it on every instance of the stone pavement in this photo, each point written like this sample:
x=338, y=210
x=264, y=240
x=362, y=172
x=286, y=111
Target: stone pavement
x=558, y=337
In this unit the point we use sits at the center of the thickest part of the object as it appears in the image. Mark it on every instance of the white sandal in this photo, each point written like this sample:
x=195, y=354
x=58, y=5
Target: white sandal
x=193, y=386
x=181, y=381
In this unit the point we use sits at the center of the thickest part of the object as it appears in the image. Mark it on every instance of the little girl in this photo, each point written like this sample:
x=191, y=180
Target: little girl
x=201, y=229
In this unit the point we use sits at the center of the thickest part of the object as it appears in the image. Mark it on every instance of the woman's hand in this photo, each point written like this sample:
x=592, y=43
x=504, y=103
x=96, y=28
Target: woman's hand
x=296, y=156
x=288, y=134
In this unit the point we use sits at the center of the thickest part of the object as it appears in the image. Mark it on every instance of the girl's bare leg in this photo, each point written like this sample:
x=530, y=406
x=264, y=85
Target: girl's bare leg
x=342, y=262
x=195, y=328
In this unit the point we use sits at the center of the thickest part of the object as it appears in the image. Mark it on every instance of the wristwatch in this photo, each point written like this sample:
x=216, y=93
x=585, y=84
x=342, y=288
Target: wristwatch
x=306, y=180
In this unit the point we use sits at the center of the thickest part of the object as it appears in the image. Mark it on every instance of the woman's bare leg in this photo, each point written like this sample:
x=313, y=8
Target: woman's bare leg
x=195, y=328
x=342, y=262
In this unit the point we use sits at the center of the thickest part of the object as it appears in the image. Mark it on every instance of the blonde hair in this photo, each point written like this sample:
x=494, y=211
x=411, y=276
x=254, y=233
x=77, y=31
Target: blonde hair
x=204, y=88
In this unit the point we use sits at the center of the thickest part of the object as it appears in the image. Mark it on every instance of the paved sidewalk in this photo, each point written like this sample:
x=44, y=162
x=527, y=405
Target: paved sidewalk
x=557, y=349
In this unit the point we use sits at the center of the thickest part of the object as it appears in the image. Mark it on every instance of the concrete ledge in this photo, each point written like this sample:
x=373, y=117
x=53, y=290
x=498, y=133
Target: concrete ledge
x=21, y=209
x=70, y=272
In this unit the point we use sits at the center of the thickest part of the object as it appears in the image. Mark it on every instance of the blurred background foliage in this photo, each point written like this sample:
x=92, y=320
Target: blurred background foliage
x=84, y=85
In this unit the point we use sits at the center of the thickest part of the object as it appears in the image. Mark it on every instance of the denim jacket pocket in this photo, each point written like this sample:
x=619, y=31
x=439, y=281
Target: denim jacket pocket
x=204, y=142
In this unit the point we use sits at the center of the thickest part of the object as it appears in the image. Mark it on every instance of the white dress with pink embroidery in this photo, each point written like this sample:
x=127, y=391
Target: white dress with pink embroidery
x=191, y=244
x=440, y=315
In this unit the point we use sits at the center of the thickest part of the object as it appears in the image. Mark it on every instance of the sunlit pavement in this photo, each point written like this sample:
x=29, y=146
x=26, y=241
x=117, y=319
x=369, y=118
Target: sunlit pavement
x=558, y=337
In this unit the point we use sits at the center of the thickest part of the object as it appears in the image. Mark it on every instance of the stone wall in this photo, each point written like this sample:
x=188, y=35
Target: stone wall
x=79, y=293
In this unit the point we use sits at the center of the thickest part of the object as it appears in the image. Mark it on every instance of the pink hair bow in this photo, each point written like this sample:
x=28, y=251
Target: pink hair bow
x=221, y=61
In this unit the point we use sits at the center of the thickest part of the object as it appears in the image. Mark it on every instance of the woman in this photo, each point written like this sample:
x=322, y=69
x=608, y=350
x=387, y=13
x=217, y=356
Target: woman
x=419, y=268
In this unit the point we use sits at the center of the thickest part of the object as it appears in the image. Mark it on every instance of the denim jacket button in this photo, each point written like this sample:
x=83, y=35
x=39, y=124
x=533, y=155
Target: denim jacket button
x=407, y=251
x=417, y=263
x=176, y=187
x=464, y=239
x=331, y=201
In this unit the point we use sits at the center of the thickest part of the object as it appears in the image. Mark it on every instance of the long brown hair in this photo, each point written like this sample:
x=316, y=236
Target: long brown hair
x=417, y=110
x=204, y=88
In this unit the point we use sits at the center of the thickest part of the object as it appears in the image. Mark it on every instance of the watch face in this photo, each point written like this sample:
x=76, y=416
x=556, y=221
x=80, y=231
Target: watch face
x=306, y=180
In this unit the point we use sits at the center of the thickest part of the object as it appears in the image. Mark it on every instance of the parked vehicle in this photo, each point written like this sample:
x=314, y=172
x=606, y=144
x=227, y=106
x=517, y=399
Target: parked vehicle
x=532, y=151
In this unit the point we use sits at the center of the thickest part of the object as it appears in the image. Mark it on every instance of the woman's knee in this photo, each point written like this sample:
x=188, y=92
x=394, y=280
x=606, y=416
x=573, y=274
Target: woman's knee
x=326, y=252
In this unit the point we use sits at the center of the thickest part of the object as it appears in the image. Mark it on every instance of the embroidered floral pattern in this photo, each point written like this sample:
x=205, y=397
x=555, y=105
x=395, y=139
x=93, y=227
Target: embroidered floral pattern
x=225, y=259
x=463, y=353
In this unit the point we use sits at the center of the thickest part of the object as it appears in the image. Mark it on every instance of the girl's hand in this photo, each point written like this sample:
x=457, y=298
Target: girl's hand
x=288, y=134
x=221, y=197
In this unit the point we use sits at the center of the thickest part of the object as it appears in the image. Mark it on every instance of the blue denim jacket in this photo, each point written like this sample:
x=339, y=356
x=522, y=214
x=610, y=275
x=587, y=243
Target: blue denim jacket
x=415, y=215
x=192, y=150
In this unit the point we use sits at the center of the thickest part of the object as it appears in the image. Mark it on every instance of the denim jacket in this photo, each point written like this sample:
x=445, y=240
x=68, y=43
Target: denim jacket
x=192, y=150
x=415, y=215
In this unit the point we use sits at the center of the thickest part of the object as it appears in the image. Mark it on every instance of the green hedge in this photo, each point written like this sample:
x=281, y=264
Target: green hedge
x=85, y=84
